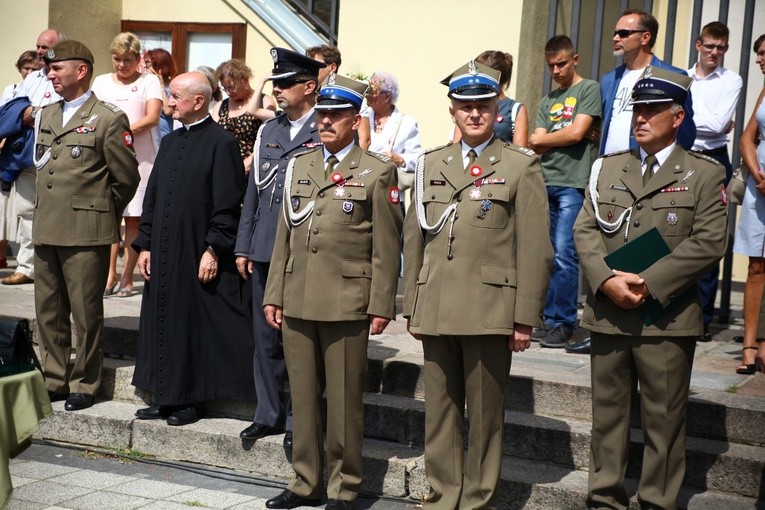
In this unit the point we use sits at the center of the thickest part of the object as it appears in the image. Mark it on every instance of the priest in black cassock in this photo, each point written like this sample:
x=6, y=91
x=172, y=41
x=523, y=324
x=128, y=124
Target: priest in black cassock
x=195, y=332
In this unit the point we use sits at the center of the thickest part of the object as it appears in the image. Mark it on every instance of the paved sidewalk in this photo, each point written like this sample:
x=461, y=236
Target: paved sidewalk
x=53, y=477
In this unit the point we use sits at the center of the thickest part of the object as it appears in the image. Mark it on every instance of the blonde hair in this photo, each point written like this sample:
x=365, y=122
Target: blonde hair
x=126, y=42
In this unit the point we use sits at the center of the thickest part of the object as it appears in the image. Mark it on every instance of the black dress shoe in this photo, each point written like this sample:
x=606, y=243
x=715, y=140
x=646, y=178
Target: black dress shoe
x=185, y=416
x=339, y=504
x=258, y=430
x=287, y=438
x=77, y=401
x=154, y=412
x=288, y=499
x=582, y=347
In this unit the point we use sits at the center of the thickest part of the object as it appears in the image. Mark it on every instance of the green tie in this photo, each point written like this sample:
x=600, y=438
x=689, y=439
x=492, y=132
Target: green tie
x=332, y=162
x=650, y=162
x=471, y=159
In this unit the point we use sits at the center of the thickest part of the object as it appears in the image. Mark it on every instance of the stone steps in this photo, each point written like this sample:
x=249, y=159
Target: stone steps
x=390, y=467
x=547, y=429
x=714, y=464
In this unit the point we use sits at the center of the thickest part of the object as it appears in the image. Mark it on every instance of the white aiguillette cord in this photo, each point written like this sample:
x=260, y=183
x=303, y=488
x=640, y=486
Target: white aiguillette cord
x=606, y=226
x=39, y=163
x=271, y=175
x=419, y=193
x=295, y=218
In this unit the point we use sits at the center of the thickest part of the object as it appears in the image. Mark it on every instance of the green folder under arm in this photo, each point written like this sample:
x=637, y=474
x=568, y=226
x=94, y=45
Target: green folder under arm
x=637, y=256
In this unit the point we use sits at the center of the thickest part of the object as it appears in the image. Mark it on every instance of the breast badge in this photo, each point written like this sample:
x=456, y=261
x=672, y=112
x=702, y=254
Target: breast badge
x=672, y=219
x=75, y=152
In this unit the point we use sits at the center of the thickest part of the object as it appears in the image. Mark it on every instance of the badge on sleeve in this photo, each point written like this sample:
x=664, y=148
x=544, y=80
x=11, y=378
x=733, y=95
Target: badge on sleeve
x=127, y=136
x=394, y=195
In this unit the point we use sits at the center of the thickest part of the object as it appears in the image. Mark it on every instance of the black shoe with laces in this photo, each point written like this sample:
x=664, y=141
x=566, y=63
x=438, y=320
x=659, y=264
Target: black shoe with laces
x=557, y=337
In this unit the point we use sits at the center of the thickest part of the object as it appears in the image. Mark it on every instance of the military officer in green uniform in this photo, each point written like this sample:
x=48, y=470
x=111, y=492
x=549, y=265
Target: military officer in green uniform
x=332, y=283
x=659, y=185
x=87, y=173
x=477, y=263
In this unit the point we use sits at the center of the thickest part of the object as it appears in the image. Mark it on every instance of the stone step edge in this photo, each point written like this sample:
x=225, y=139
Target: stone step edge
x=216, y=441
x=713, y=415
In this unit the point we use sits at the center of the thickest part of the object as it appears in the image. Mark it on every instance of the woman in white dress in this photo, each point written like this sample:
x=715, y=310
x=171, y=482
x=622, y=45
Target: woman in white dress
x=139, y=95
x=750, y=234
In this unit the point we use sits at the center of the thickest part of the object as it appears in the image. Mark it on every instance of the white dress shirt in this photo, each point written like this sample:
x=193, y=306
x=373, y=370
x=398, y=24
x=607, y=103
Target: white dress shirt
x=714, y=102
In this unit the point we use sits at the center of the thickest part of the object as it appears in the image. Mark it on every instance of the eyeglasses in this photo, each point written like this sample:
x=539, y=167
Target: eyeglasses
x=287, y=84
x=625, y=32
x=719, y=47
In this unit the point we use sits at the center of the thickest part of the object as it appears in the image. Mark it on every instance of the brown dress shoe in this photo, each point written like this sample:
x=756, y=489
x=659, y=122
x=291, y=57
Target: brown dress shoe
x=16, y=279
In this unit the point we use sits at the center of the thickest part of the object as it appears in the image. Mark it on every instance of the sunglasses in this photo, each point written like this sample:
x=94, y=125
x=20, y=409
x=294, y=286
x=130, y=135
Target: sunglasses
x=719, y=47
x=624, y=32
x=286, y=84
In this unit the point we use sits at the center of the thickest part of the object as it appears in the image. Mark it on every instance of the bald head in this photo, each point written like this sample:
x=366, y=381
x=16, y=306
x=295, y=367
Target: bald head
x=190, y=97
x=46, y=40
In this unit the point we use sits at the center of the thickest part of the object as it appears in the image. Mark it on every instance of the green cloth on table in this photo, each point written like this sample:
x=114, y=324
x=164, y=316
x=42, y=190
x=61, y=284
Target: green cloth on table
x=23, y=403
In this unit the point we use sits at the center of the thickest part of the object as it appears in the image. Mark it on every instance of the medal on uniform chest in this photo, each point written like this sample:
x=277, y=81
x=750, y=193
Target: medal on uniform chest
x=475, y=193
x=672, y=218
x=348, y=206
x=336, y=177
x=485, y=207
x=295, y=203
x=76, y=151
x=340, y=191
x=265, y=166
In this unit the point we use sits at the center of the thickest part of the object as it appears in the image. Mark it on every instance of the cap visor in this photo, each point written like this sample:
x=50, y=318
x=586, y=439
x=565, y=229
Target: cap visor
x=281, y=76
x=650, y=99
x=472, y=97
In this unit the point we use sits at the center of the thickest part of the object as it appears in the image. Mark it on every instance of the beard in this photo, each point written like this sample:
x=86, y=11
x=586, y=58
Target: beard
x=619, y=53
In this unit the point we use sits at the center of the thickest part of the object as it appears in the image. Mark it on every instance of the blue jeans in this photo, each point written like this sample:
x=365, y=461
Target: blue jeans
x=561, y=305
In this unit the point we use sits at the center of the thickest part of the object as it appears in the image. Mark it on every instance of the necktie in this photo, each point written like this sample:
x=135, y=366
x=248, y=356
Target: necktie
x=332, y=162
x=471, y=159
x=650, y=162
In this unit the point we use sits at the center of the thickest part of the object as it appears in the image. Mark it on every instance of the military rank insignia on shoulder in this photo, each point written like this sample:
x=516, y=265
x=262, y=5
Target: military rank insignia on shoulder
x=381, y=157
x=110, y=106
x=704, y=157
x=522, y=150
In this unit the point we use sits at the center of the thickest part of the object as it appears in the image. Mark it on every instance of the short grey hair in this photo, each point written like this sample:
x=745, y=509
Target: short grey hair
x=385, y=82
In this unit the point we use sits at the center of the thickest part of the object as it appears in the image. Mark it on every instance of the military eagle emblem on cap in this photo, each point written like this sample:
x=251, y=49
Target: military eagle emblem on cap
x=274, y=55
x=331, y=79
x=648, y=72
x=51, y=54
x=472, y=69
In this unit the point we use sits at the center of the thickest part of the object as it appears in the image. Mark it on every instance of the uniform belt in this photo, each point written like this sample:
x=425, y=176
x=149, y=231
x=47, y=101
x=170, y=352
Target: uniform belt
x=723, y=149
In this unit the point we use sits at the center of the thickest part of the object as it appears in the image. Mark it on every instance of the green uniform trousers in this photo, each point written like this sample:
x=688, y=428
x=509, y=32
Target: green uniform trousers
x=329, y=356
x=71, y=280
x=460, y=370
x=662, y=367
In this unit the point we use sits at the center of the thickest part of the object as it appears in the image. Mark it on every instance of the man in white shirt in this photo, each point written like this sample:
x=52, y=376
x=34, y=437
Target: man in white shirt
x=39, y=90
x=715, y=92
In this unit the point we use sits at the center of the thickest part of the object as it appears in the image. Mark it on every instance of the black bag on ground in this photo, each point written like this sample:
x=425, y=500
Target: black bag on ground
x=16, y=351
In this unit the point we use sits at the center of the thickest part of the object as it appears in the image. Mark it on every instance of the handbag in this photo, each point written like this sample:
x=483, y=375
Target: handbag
x=16, y=352
x=737, y=186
